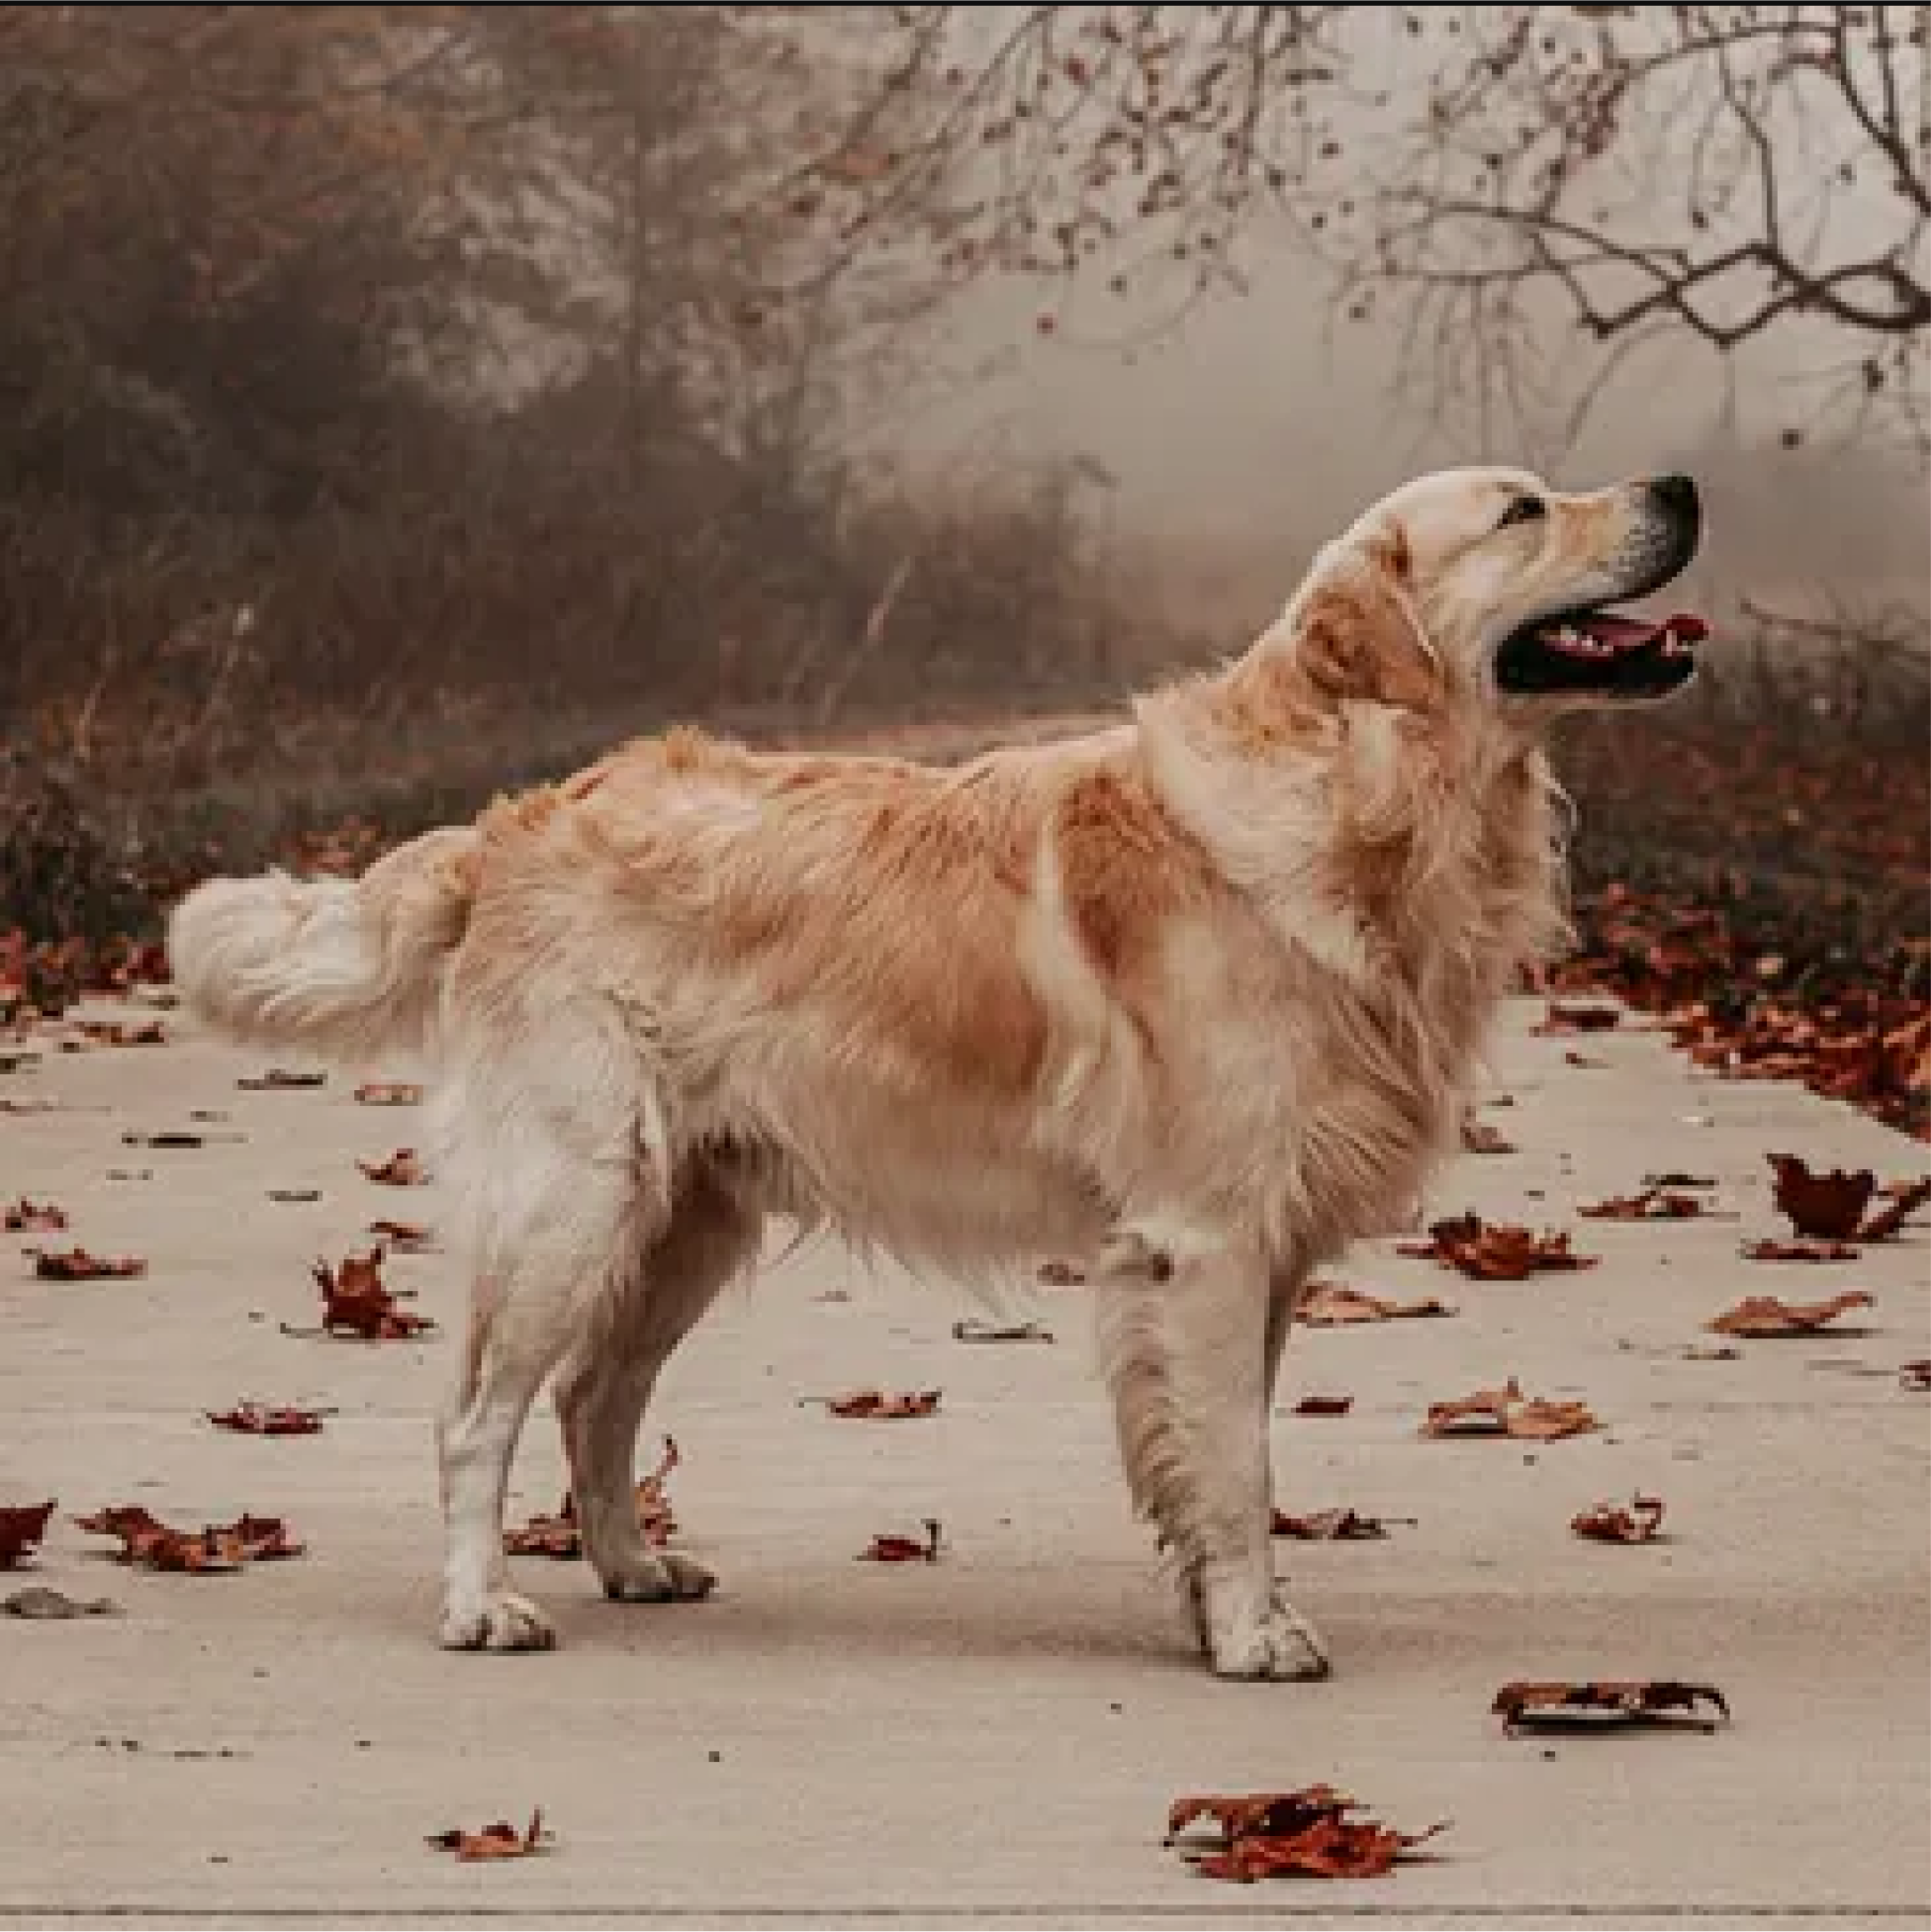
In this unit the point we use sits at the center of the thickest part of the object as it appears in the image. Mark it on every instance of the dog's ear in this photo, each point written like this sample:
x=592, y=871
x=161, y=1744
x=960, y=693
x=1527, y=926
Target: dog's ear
x=1358, y=634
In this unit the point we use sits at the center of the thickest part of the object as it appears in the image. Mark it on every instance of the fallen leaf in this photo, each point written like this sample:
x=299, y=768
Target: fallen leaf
x=279, y=1080
x=355, y=1301
x=168, y=1138
x=1675, y=1179
x=559, y=1537
x=1915, y=1376
x=1334, y=1527
x=1770, y=1250
x=1501, y=1252
x=1762, y=1316
x=287, y=1195
x=405, y=1237
x=1060, y=1274
x=76, y=1265
x=216, y=1550
x=972, y=1328
x=400, y=1169
x=22, y=1530
x=891, y=1548
x=1478, y=1137
x=872, y=1405
x=1508, y=1411
x=1652, y=1204
x=1587, y=1706
x=1573, y=1016
x=1586, y=1061
x=1636, y=1522
x=1822, y=1207
x=52, y=1604
x=496, y=1841
x=116, y=1033
x=1324, y=1405
x=252, y=1419
x=1329, y=1305
x=27, y=1217
x=388, y=1093
x=1306, y=1833
x=1906, y=1198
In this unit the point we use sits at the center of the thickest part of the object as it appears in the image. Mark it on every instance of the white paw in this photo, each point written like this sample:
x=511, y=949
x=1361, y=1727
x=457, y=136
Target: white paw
x=503, y=1621
x=1280, y=1646
x=657, y=1577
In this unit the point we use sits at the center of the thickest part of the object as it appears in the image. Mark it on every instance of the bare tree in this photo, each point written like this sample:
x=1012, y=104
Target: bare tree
x=1729, y=175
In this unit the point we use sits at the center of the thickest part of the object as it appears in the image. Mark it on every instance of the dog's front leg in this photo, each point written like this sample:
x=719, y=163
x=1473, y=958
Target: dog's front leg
x=1188, y=1333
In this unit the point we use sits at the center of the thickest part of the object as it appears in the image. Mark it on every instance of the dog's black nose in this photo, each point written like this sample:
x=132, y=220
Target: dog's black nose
x=1677, y=496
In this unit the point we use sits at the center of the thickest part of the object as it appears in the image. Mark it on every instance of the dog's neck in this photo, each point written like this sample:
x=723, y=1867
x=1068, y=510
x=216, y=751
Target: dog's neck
x=1401, y=838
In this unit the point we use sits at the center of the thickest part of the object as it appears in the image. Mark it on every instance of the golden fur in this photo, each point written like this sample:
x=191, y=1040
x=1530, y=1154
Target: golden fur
x=1195, y=998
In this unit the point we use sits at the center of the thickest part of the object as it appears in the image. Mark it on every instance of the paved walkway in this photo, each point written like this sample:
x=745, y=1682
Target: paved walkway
x=994, y=1738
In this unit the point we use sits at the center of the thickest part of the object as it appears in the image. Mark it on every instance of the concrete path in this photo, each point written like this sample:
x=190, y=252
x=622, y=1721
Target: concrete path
x=996, y=1737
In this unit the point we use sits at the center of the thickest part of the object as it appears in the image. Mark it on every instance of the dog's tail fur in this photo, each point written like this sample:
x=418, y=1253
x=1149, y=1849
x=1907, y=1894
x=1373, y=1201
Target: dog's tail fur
x=344, y=968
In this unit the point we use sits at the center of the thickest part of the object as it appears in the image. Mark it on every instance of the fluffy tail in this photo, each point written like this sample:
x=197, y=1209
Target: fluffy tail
x=344, y=968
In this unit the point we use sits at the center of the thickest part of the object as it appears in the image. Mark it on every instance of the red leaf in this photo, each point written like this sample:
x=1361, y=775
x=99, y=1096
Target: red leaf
x=22, y=1531
x=1324, y=1405
x=1569, y=1016
x=251, y=1419
x=1822, y=1207
x=891, y=1548
x=874, y=1404
x=1613, y=1522
x=1305, y=1833
x=495, y=1841
x=1498, y=1252
x=355, y=1301
x=76, y=1265
x=216, y=1550
x=1769, y=1250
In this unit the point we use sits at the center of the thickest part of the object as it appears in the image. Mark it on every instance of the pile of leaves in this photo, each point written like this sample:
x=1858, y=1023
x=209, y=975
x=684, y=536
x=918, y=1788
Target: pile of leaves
x=1281, y=1834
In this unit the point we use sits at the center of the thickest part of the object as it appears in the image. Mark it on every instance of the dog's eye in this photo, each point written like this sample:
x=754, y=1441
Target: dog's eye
x=1524, y=510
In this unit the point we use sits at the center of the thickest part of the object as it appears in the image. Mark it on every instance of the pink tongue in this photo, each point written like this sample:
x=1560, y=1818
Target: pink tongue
x=1630, y=633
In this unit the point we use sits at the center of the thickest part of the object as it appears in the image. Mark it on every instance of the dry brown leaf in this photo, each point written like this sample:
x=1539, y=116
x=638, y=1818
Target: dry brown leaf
x=1636, y=1522
x=388, y=1093
x=1324, y=1405
x=890, y=1548
x=875, y=1404
x=1759, y=1317
x=1302, y=1834
x=405, y=1237
x=22, y=1531
x=1822, y=1207
x=252, y=1419
x=215, y=1550
x=27, y=1217
x=278, y=1079
x=1334, y=1527
x=1478, y=1137
x=116, y=1033
x=1577, y=1016
x=1589, y=1706
x=559, y=1537
x=1330, y=1305
x=1915, y=1376
x=496, y=1841
x=1803, y=1251
x=1903, y=1199
x=355, y=1301
x=973, y=1328
x=1652, y=1204
x=76, y=1265
x=1508, y=1411
x=1501, y=1252
x=400, y=1169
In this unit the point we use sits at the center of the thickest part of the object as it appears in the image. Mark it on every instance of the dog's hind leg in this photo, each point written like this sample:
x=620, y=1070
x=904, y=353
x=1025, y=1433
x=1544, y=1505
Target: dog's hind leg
x=606, y=1383
x=546, y=1263
x=1188, y=1340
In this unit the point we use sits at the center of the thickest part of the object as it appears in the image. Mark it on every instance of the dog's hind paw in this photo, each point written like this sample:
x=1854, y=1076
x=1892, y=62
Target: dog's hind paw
x=503, y=1621
x=658, y=1577
x=1280, y=1646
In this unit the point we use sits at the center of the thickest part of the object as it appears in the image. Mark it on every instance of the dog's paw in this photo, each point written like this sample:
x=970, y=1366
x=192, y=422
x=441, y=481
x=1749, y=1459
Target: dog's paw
x=503, y=1621
x=657, y=1577
x=1279, y=1646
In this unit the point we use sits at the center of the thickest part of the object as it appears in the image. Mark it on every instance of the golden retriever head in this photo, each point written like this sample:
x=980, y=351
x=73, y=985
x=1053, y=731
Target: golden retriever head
x=1486, y=582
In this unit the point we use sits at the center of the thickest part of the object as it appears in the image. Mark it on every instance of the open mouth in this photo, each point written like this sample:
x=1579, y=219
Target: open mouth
x=1601, y=653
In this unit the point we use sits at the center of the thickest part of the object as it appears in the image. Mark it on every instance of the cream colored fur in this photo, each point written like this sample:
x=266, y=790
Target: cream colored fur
x=1195, y=998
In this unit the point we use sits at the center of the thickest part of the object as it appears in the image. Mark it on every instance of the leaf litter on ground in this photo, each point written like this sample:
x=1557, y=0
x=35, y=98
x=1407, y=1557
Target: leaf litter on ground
x=1595, y=1706
x=876, y=1406
x=28, y=1216
x=494, y=1841
x=256, y=1418
x=1331, y=1303
x=891, y=1547
x=1652, y=1204
x=974, y=1329
x=1498, y=1252
x=1636, y=1522
x=1819, y=1206
x=402, y=1168
x=23, y=1528
x=1334, y=1526
x=1508, y=1411
x=356, y=1302
x=279, y=1080
x=218, y=1549
x=1306, y=1833
x=1761, y=1317
x=1799, y=1251
x=561, y=1538
x=77, y=1265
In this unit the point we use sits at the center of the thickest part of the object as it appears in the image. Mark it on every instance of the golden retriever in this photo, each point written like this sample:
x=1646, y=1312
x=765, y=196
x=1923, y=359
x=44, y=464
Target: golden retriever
x=1195, y=999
